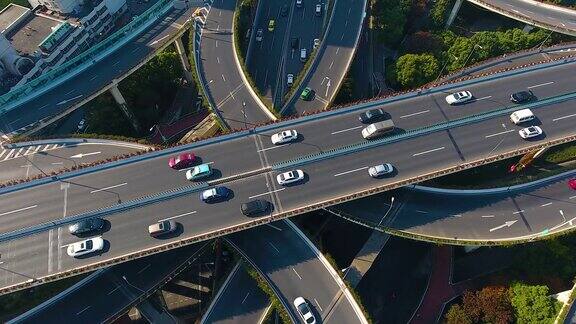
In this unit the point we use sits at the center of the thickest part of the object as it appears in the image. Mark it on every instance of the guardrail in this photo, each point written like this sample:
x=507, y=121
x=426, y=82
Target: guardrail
x=81, y=62
x=526, y=19
x=352, y=148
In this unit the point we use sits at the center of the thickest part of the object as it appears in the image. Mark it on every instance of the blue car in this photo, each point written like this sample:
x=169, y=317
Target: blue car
x=215, y=194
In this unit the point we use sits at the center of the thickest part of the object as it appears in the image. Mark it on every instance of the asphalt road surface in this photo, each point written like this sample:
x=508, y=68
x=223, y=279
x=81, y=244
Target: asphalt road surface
x=340, y=42
x=108, y=294
x=514, y=214
x=295, y=270
x=221, y=73
x=26, y=160
x=94, y=78
x=240, y=301
x=534, y=11
x=43, y=254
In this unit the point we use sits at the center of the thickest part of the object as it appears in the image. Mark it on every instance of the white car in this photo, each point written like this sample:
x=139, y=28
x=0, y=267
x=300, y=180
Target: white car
x=259, y=35
x=530, y=132
x=82, y=124
x=304, y=310
x=290, y=79
x=380, y=170
x=459, y=97
x=284, y=137
x=316, y=43
x=290, y=177
x=85, y=247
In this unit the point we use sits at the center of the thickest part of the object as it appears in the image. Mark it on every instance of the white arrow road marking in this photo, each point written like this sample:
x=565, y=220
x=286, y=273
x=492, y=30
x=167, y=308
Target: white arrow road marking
x=81, y=155
x=507, y=224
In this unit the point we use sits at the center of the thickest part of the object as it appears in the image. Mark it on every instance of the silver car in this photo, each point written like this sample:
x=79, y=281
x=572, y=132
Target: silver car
x=380, y=170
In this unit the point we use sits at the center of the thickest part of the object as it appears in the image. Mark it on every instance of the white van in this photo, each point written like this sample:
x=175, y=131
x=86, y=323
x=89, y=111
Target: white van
x=303, y=55
x=521, y=116
x=378, y=129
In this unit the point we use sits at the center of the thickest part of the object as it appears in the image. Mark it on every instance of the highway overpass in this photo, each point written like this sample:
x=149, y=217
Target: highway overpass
x=518, y=213
x=556, y=18
x=136, y=192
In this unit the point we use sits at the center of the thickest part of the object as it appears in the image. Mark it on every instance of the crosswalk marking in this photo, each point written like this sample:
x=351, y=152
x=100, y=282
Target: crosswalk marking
x=8, y=154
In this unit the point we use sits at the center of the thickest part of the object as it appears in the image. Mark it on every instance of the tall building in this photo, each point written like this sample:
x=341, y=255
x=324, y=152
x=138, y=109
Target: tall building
x=62, y=6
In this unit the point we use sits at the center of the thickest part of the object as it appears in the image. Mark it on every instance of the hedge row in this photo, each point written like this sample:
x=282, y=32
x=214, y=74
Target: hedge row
x=276, y=304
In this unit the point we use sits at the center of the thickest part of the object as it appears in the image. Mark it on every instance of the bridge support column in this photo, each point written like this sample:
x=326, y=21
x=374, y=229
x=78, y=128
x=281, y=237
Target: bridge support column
x=453, y=13
x=124, y=106
x=183, y=59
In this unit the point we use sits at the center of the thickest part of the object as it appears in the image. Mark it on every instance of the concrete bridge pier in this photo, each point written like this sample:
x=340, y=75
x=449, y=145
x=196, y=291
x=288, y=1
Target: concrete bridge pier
x=183, y=59
x=453, y=13
x=124, y=106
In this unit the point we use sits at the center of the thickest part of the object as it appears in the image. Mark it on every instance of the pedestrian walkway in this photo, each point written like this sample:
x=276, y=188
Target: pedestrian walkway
x=440, y=289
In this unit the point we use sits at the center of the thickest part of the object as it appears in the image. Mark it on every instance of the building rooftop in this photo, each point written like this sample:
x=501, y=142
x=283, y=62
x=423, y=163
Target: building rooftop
x=11, y=14
x=31, y=33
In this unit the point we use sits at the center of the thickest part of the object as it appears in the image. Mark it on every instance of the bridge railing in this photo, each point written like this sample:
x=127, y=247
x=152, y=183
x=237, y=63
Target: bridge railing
x=62, y=73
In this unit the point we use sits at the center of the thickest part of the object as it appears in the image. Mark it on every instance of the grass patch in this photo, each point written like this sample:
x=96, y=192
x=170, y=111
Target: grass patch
x=5, y=3
x=276, y=304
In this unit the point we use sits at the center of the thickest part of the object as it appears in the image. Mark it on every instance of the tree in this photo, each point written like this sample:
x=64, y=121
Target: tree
x=346, y=92
x=544, y=260
x=457, y=315
x=422, y=42
x=413, y=70
x=439, y=12
x=532, y=304
x=489, y=305
x=390, y=19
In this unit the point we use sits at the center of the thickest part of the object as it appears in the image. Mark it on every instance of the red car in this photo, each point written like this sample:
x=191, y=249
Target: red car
x=572, y=184
x=182, y=161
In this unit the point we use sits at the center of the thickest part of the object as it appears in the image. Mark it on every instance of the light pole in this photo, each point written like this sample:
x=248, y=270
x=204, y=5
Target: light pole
x=388, y=211
x=471, y=52
x=131, y=285
x=159, y=131
x=445, y=64
x=244, y=114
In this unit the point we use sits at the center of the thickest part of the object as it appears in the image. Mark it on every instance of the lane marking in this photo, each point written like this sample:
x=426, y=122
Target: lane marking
x=159, y=40
x=3, y=151
x=415, y=114
x=271, y=148
x=518, y=212
x=143, y=269
x=57, y=163
x=190, y=168
x=113, y=290
x=177, y=216
x=544, y=205
x=421, y=211
x=243, y=300
x=487, y=216
x=346, y=130
x=274, y=227
x=318, y=304
x=456, y=215
x=501, y=133
x=111, y=187
x=267, y=193
x=275, y=248
x=346, y=172
x=296, y=273
x=83, y=310
x=429, y=151
x=563, y=117
x=540, y=85
x=483, y=98
x=18, y=210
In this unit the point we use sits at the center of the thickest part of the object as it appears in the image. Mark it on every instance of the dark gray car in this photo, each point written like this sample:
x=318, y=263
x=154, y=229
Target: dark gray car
x=87, y=226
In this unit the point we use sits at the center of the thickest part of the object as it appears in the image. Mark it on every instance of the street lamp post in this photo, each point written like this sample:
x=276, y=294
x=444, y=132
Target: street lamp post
x=387, y=212
x=159, y=131
x=244, y=114
x=445, y=64
x=471, y=52
x=131, y=285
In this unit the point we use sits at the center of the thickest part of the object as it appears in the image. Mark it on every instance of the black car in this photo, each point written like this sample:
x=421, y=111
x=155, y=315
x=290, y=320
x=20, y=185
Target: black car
x=294, y=43
x=255, y=207
x=522, y=96
x=87, y=226
x=373, y=115
x=284, y=11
